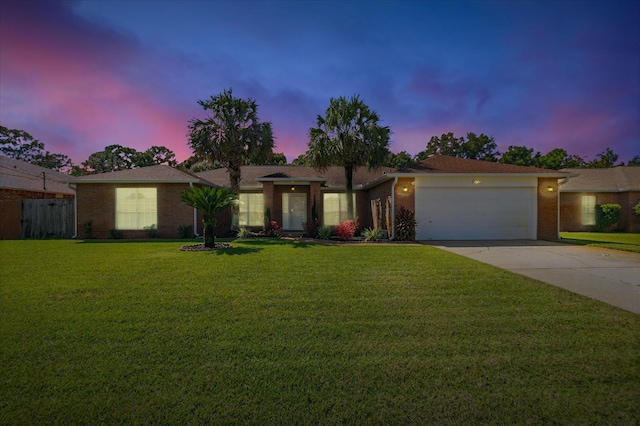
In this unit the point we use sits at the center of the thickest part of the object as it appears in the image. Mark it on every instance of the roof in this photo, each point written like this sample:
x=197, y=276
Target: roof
x=615, y=179
x=456, y=165
x=16, y=174
x=253, y=176
x=150, y=174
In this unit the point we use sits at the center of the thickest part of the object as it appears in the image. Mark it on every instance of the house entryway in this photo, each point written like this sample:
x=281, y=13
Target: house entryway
x=294, y=211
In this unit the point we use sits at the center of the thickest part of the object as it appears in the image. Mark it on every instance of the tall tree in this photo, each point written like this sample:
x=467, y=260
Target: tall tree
x=447, y=144
x=349, y=135
x=481, y=147
x=558, y=158
x=604, y=160
x=635, y=161
x=22, y=146
x=156, y=155
x=231, y=134
x=520, y=156
x=474, y=147
x=113, y=158
x=399, y=160
x=209, y=201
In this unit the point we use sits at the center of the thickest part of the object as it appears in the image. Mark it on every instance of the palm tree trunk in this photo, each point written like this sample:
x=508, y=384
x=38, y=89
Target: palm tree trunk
x=208, y=233
x=348, y=174
x=234, y=180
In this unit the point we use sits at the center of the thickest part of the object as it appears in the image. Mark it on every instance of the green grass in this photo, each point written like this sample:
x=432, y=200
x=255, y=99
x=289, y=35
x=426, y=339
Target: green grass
x=274, y=332
x=610, y=240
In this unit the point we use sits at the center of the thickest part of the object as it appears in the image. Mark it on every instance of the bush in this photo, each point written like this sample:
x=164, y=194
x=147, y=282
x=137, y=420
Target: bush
x=152, y=232
x=372, y=234
x=272, y=229
x=325, y=232
x=244, y=233
x=311, y=228
x=607, y=215
x=347, y=229
x=405, y=223
x=185, y=231
x=116, y=234
x=636, y=209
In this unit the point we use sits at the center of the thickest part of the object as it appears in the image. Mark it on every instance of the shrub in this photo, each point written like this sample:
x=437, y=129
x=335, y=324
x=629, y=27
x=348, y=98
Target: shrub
x=347, y=229
x=152, y=232
x=325, y=232
x=636, y=209
x=372, y=234
x=311, y=228
x=185, y=231
x=244, y=233
x=607, y=215
x=405, y=223
x=272, y=229
x=116, y=234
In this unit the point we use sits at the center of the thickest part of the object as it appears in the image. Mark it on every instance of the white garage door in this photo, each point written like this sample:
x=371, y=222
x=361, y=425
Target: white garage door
x=475, y=213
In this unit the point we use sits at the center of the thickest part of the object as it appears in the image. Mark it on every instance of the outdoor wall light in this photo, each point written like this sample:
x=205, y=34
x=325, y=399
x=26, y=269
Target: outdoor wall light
x=293, y=188
x=477, y=181
x=404, y=188
x=550, y=188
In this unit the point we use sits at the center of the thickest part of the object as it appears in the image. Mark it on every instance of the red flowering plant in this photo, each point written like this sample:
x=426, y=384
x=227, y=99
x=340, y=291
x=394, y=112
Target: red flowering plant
x=347, y=229
x=272, y=229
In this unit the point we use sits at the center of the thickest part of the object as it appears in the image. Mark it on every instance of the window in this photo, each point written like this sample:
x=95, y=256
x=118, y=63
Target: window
x=251, y=210
x=136, y=208
x=588, y=209
x=335, y=208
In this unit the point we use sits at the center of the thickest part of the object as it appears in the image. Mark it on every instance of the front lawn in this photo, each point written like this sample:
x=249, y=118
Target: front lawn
x=275, y=332
x=610, y=240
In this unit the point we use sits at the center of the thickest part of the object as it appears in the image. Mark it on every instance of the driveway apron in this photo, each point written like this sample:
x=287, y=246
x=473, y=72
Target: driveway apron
x=610, y=276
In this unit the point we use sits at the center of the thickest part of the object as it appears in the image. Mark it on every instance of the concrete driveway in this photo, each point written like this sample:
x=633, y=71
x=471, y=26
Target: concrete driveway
x=610, y=276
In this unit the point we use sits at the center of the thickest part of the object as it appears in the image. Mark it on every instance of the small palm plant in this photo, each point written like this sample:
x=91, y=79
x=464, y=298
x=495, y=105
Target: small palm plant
x=209, y=201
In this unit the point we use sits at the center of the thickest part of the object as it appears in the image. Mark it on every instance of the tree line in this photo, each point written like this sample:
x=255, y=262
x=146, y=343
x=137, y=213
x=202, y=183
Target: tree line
x=349, y=134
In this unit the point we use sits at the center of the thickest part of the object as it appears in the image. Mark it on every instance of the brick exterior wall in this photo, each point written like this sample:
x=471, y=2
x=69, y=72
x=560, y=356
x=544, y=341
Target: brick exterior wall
x=96, y=203
x=547, y=209
x=571, y=210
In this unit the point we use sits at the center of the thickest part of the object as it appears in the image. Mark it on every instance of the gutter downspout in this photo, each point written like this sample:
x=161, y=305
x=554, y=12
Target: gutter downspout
x=75, y=211
x=393, y=208
x=195, y=218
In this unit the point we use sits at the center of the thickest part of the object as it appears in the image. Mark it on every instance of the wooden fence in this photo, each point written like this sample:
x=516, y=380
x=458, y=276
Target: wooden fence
x=52, y=218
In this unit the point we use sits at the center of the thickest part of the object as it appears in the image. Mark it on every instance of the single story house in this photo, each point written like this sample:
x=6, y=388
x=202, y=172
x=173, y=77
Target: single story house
x=580, y=195
x=21, y=181
x=453, y=199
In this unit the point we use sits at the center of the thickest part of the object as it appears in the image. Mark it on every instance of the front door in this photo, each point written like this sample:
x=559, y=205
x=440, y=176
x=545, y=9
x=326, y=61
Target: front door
x=294, y=211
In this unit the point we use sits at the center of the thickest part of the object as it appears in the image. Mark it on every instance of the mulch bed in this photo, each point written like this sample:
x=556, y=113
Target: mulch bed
x=201, y=247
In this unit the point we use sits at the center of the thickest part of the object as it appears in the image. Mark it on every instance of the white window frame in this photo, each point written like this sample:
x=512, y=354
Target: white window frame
x=251, y=209
x=329, y=217
x=588, y=209
x=136, y=208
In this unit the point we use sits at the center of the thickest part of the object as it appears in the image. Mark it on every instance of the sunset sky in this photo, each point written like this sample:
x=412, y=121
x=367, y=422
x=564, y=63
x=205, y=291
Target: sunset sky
x=81, y=75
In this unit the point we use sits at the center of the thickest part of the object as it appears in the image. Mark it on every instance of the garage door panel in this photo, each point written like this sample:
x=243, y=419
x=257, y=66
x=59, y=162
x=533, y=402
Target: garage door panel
x=478, y=213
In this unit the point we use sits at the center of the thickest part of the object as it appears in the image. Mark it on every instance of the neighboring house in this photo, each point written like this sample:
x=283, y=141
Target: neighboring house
x=24, y=181
x=580, y=195
x=453, y=199
x=135, y=200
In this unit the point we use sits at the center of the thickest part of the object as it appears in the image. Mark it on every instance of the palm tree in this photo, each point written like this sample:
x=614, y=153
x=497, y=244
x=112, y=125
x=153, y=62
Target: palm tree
x=231, y=135
x=209, y=201
x=348, y=135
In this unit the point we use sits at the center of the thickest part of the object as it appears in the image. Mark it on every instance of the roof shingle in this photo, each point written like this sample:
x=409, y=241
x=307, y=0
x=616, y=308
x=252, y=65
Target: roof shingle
x=616, y=179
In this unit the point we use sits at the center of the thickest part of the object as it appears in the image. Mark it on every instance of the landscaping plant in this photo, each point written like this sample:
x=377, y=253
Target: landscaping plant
x=372, y=234
x=325, y=232
x=346, y=230
x=607, y=215
x=209, y=201
x=405, y=225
